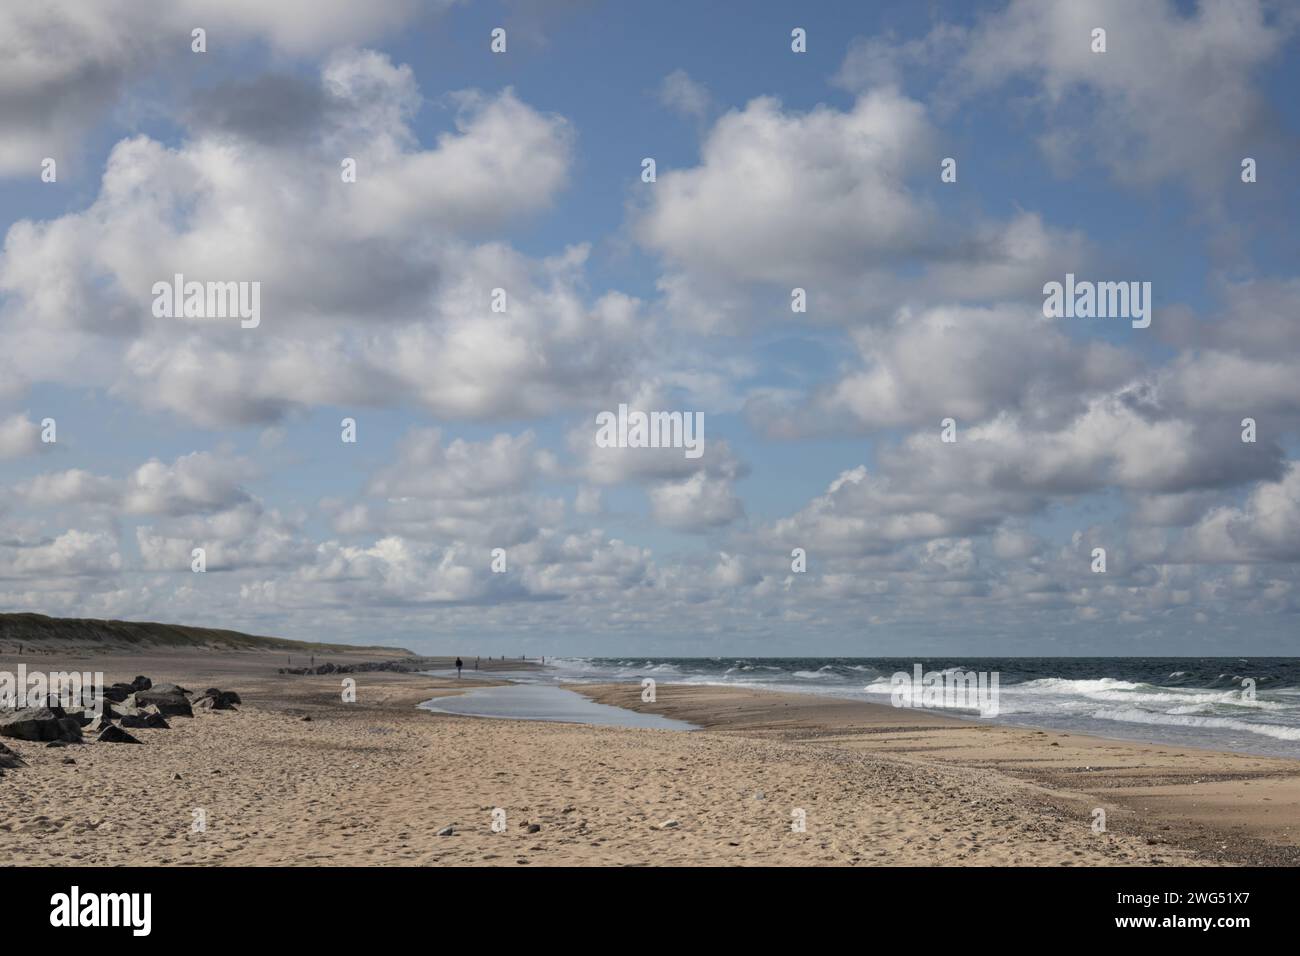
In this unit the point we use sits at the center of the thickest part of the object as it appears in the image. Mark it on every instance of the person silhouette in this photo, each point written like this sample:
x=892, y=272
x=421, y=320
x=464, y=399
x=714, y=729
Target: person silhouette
x=459, y=665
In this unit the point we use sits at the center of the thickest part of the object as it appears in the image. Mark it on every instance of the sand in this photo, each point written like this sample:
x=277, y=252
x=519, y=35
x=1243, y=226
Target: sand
x=373, y=783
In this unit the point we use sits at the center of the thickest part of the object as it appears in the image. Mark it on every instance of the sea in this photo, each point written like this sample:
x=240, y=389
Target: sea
x=1186, y=701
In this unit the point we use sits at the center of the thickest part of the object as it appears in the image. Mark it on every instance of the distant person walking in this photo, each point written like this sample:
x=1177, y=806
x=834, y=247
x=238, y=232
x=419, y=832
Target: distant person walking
x=459, y=665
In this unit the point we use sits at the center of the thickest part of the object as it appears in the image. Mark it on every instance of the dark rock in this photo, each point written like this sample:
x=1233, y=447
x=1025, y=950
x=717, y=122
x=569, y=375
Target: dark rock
x=534, y=827
x=40, y=724
x=168, y=704
x=141, y=683
x=308, y=719
x=214, y=699
x=406, y=665
x=151, y=720
x=116, y=735
x=168, y=689
x=10, y=760
x=99, y=724
x=116, y=694
x=86, y=715
x=68, y=760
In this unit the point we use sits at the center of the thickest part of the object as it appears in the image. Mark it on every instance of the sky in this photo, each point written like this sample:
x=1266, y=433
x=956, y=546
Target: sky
x=920, y=460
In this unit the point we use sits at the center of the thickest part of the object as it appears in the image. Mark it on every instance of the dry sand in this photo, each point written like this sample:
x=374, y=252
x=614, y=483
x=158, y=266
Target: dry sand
x=373, y=783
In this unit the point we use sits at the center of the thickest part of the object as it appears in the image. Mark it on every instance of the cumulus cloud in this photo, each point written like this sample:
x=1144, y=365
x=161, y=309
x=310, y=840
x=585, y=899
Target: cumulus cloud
x=697, y=504
x=370, y=290
x=194, y=483
x=71, y=554
x=19, y=436
x=829, y=201
x=1266, y=527
x=1188, y=121
x=792, y=197
x=64, y=64
x=967, y=363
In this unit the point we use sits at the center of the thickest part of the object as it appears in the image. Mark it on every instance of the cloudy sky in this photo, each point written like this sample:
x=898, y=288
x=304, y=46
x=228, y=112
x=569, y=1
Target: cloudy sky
x=775, y=170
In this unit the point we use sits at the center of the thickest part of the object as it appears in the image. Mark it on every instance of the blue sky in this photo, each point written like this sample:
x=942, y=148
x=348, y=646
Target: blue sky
x=775, y=169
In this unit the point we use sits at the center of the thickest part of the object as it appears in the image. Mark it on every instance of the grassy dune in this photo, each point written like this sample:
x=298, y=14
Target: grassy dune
x=39, y=631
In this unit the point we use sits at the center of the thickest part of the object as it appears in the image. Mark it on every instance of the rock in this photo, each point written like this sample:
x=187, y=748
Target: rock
x=116, y=693
x=86, y=715
x=99, y=724
x=116, y=735
x=151, y=720
x=534, y=828
x=308, y=719
x=141, y=683
x=669, y=825
x=40, y=724
x=168, y=689
x=214, y=699
x=176, y=776
x=446, y=831
x=10, y=760
x=68, y=760
x=168, y=704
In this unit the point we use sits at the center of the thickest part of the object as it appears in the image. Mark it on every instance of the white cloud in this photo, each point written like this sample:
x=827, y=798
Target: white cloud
x=370, y=295
x=698, y=504
x=1190, y=120
x=73, y=553
x=65, y=63
x=683, y=95
x=19, y=436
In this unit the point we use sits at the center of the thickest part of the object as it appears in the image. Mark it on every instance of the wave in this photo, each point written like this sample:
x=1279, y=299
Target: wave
x=1200, y=702
x=1134, y=716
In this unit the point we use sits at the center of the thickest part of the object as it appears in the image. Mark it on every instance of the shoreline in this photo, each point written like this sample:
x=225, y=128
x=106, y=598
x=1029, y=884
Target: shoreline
x=1200, y=796
x=374, y=782
x=920, y=714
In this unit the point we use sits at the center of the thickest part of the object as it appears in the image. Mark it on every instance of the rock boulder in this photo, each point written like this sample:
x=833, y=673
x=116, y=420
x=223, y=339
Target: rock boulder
x=41, y=724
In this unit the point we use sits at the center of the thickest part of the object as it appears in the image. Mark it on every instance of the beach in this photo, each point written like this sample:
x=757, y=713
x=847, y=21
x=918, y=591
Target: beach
x=374, y=783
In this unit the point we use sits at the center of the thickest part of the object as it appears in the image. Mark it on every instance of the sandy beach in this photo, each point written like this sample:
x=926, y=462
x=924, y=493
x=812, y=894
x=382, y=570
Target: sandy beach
x=375, y=781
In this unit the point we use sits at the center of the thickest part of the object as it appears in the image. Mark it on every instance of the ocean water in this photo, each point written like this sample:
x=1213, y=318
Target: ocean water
x=1195, y=701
